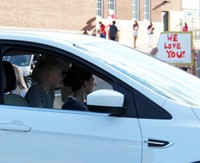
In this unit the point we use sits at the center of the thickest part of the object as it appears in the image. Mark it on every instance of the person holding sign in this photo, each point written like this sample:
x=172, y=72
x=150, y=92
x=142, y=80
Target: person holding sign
x=185, y=29
x=193, y=69
x=177, y=48
x=150, y=29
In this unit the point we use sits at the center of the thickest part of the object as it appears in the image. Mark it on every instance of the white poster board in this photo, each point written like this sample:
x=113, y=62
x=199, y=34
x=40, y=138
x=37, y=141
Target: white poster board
x=175, y=48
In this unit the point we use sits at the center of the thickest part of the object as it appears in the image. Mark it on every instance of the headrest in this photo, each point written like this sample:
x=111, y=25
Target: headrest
x=9, y=77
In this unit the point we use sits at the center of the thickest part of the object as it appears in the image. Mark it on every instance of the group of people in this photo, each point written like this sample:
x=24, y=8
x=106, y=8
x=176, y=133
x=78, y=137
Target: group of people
x=150, y=31
x=51, y=73
x=113, y=30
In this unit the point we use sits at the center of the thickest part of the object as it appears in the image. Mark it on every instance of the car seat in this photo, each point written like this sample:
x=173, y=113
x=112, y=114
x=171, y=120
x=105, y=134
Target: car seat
x=10, y=84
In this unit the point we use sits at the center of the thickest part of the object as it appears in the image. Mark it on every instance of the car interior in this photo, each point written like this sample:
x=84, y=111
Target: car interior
x=9, y=82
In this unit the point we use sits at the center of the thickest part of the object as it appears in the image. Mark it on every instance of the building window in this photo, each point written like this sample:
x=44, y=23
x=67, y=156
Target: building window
x=111, y=9
x=147, y=9
x=135, y=9
x=100, y=8
x=111, y=5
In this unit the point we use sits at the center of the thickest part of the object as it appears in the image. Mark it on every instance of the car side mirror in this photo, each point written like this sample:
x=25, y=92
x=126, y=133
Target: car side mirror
x=106, y=101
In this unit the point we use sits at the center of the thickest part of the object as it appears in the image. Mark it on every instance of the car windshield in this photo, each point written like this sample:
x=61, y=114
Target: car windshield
x=158, y=76
x=19, y=60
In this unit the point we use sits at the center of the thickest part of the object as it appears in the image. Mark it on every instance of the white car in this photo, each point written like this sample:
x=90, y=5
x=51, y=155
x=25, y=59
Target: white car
x=146, y=110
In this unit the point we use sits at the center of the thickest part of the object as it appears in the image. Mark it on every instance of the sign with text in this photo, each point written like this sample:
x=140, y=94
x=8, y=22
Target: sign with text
x=175, y=48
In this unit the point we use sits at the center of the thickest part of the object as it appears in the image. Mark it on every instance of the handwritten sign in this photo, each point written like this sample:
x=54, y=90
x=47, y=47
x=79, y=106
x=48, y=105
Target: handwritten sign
x=175, y=48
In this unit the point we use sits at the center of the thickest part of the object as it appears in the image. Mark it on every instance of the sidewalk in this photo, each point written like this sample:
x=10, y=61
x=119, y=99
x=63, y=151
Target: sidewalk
x=144, y=48
x=143, y=45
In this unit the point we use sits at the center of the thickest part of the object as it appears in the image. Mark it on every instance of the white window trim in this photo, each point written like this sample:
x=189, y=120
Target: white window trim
x=114, y=5
x=137, y=12
x=147, y=12
x=99, y=11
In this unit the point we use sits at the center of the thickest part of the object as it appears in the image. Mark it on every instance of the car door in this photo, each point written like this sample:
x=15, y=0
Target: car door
x=44, y=135
x=30, y=134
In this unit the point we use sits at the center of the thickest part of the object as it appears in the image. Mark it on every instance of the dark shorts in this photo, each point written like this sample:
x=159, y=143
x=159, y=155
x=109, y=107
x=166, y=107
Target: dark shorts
x=102, y=35
x=113, y=38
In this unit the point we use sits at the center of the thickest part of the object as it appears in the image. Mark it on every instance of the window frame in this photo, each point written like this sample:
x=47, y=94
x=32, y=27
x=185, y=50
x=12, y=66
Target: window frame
x=147, y=11
x=112, y=5
x=117, y=84
x=135, y=14
x=100, y=8
x=62, y=54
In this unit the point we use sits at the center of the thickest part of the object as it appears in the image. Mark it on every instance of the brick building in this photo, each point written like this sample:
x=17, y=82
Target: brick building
x=139, y=9
x=79, y=14
x=48, y=14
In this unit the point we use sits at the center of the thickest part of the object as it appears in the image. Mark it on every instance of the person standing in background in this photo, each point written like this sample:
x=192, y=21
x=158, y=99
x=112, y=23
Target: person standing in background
x=135, y=33
x=150, y=30
x=102, y=30
x=113, y=31
x=185, y=27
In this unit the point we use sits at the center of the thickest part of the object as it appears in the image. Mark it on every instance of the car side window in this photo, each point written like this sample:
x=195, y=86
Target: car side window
x=148, y=109
x=30, y=73
x=77, y=83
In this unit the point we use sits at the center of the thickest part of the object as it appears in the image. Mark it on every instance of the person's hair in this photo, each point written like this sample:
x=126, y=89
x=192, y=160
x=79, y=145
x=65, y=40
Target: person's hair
x=75, y=77
x=113, y=22
x=19, y=78
x=44, y=65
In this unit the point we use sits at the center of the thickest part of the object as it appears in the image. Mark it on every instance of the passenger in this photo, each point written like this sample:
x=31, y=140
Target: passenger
x=82, y=83
x=49, y=77
x=35, y=73
x=65, y=90
x=21, y=88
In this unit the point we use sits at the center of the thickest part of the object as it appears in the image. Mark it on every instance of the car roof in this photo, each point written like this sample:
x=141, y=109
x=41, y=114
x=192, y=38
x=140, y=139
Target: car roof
x=71, y=38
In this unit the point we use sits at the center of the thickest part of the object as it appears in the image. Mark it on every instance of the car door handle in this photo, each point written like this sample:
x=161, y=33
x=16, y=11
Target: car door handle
x=14, y=127
x=158, y=143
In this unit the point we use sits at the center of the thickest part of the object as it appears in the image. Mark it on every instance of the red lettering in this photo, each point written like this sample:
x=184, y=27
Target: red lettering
x=175, y=38
x=174, y=45
x=183, y=54
x=178, y=46
x=180, y=55
x=173, y=55
x=168, y=52
x=172, y=37
x=165, y=46
x=169, y=37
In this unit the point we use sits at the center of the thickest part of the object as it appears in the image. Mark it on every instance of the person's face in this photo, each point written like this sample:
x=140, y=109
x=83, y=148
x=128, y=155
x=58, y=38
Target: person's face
x=89, y=85
x=55, y=78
